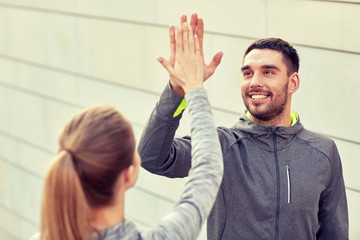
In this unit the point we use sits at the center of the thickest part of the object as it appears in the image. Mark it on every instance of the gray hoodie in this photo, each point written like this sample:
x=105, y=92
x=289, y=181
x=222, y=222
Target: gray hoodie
x=279, y=182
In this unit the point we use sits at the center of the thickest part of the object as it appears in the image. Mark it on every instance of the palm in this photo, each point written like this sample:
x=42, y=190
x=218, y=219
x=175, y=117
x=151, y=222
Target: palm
x=210, y=68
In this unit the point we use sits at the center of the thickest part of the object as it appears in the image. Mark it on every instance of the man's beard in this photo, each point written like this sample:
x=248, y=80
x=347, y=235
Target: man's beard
x=273, y=109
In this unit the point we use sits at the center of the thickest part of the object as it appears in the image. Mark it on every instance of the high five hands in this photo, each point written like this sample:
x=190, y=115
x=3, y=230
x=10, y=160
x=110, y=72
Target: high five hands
x=186, y=56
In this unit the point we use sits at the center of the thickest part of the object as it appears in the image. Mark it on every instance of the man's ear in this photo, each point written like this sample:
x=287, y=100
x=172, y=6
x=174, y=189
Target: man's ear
x=294, y=82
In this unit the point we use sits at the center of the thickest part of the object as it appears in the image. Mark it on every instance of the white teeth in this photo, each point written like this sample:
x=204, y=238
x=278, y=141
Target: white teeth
x=258, y=96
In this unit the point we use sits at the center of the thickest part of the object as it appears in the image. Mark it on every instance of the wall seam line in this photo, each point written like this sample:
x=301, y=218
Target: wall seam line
x=142, y=23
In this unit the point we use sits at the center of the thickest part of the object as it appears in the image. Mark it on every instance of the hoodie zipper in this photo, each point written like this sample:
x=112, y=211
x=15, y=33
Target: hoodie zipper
x=288, y=183
x=277, y=187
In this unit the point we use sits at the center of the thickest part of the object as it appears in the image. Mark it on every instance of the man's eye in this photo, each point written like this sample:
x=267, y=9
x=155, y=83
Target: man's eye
x=268, y=72
x=247, y=73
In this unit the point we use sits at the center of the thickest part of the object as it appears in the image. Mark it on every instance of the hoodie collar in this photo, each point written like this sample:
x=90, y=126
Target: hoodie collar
x=262, y=134
x=293, y=115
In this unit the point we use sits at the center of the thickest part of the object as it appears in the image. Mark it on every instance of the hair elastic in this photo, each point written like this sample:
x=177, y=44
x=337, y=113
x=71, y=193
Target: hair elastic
x=70, y=152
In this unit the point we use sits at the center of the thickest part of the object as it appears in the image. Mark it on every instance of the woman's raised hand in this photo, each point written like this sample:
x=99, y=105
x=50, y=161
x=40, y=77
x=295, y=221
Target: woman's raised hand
x=188, y=70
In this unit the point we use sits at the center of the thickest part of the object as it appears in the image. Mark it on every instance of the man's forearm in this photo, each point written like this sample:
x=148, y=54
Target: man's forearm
x=159, y=151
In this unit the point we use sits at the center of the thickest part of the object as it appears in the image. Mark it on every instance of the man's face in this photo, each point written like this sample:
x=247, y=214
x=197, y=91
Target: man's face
x=265, y=84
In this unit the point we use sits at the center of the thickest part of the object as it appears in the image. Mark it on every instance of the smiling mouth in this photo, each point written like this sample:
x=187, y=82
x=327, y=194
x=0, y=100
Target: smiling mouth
x=258, y=96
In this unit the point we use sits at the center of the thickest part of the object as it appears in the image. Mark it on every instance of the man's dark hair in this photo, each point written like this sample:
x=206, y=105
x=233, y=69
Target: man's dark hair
x=289, y=53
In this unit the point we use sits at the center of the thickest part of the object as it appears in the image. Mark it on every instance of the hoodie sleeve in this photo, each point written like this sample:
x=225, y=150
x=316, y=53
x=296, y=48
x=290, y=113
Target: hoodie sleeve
x=333, y=212
x=160, y=152
x=205, y=176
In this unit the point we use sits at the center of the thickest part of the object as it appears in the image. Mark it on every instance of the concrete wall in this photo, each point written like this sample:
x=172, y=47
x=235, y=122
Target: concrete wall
x=61, y=55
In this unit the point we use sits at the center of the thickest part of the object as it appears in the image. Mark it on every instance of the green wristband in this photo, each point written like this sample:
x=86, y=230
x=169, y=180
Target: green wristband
x=182, y=106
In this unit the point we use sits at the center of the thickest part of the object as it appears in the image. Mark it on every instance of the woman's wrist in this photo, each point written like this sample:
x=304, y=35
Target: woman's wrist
x=190, y=87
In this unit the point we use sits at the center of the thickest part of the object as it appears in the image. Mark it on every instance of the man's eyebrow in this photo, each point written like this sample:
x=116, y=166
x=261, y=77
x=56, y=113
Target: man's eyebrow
x=270, y=67
x=245, y=68
x=267, y=66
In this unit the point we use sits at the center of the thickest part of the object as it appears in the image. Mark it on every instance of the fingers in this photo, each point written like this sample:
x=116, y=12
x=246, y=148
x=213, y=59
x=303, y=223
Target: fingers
x=193, y=22
x=166, y=64
x=200, y=33
x=197, y=46
x=200, y=28
x=192, y=44
x=189, y=39
x=184, y=36
x=185, y=30
x=179, y=41
x=172, y=45
x=216, y=59
x=183, y=19
x=214, y=62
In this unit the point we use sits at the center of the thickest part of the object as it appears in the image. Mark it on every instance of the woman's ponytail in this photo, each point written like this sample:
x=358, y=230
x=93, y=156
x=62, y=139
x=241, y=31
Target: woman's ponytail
x=64, y=205
x=96, y=145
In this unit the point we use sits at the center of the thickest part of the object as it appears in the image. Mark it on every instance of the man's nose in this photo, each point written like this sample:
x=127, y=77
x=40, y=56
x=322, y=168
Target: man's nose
x=256, y=81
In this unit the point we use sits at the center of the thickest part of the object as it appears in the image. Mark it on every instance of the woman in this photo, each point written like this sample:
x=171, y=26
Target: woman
x=97, y=162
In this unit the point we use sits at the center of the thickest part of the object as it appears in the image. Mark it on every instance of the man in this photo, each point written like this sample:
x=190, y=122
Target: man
x=280, y=181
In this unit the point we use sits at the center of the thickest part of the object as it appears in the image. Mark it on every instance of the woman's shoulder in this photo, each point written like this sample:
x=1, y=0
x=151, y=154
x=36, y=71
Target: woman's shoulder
x=123, y=230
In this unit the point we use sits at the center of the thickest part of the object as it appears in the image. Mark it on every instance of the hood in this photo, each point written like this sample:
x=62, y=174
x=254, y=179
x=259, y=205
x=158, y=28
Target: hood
x=263, y=135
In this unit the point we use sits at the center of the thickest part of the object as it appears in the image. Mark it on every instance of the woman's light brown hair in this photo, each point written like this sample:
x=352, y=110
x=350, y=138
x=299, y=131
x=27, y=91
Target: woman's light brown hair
x=94, y=147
